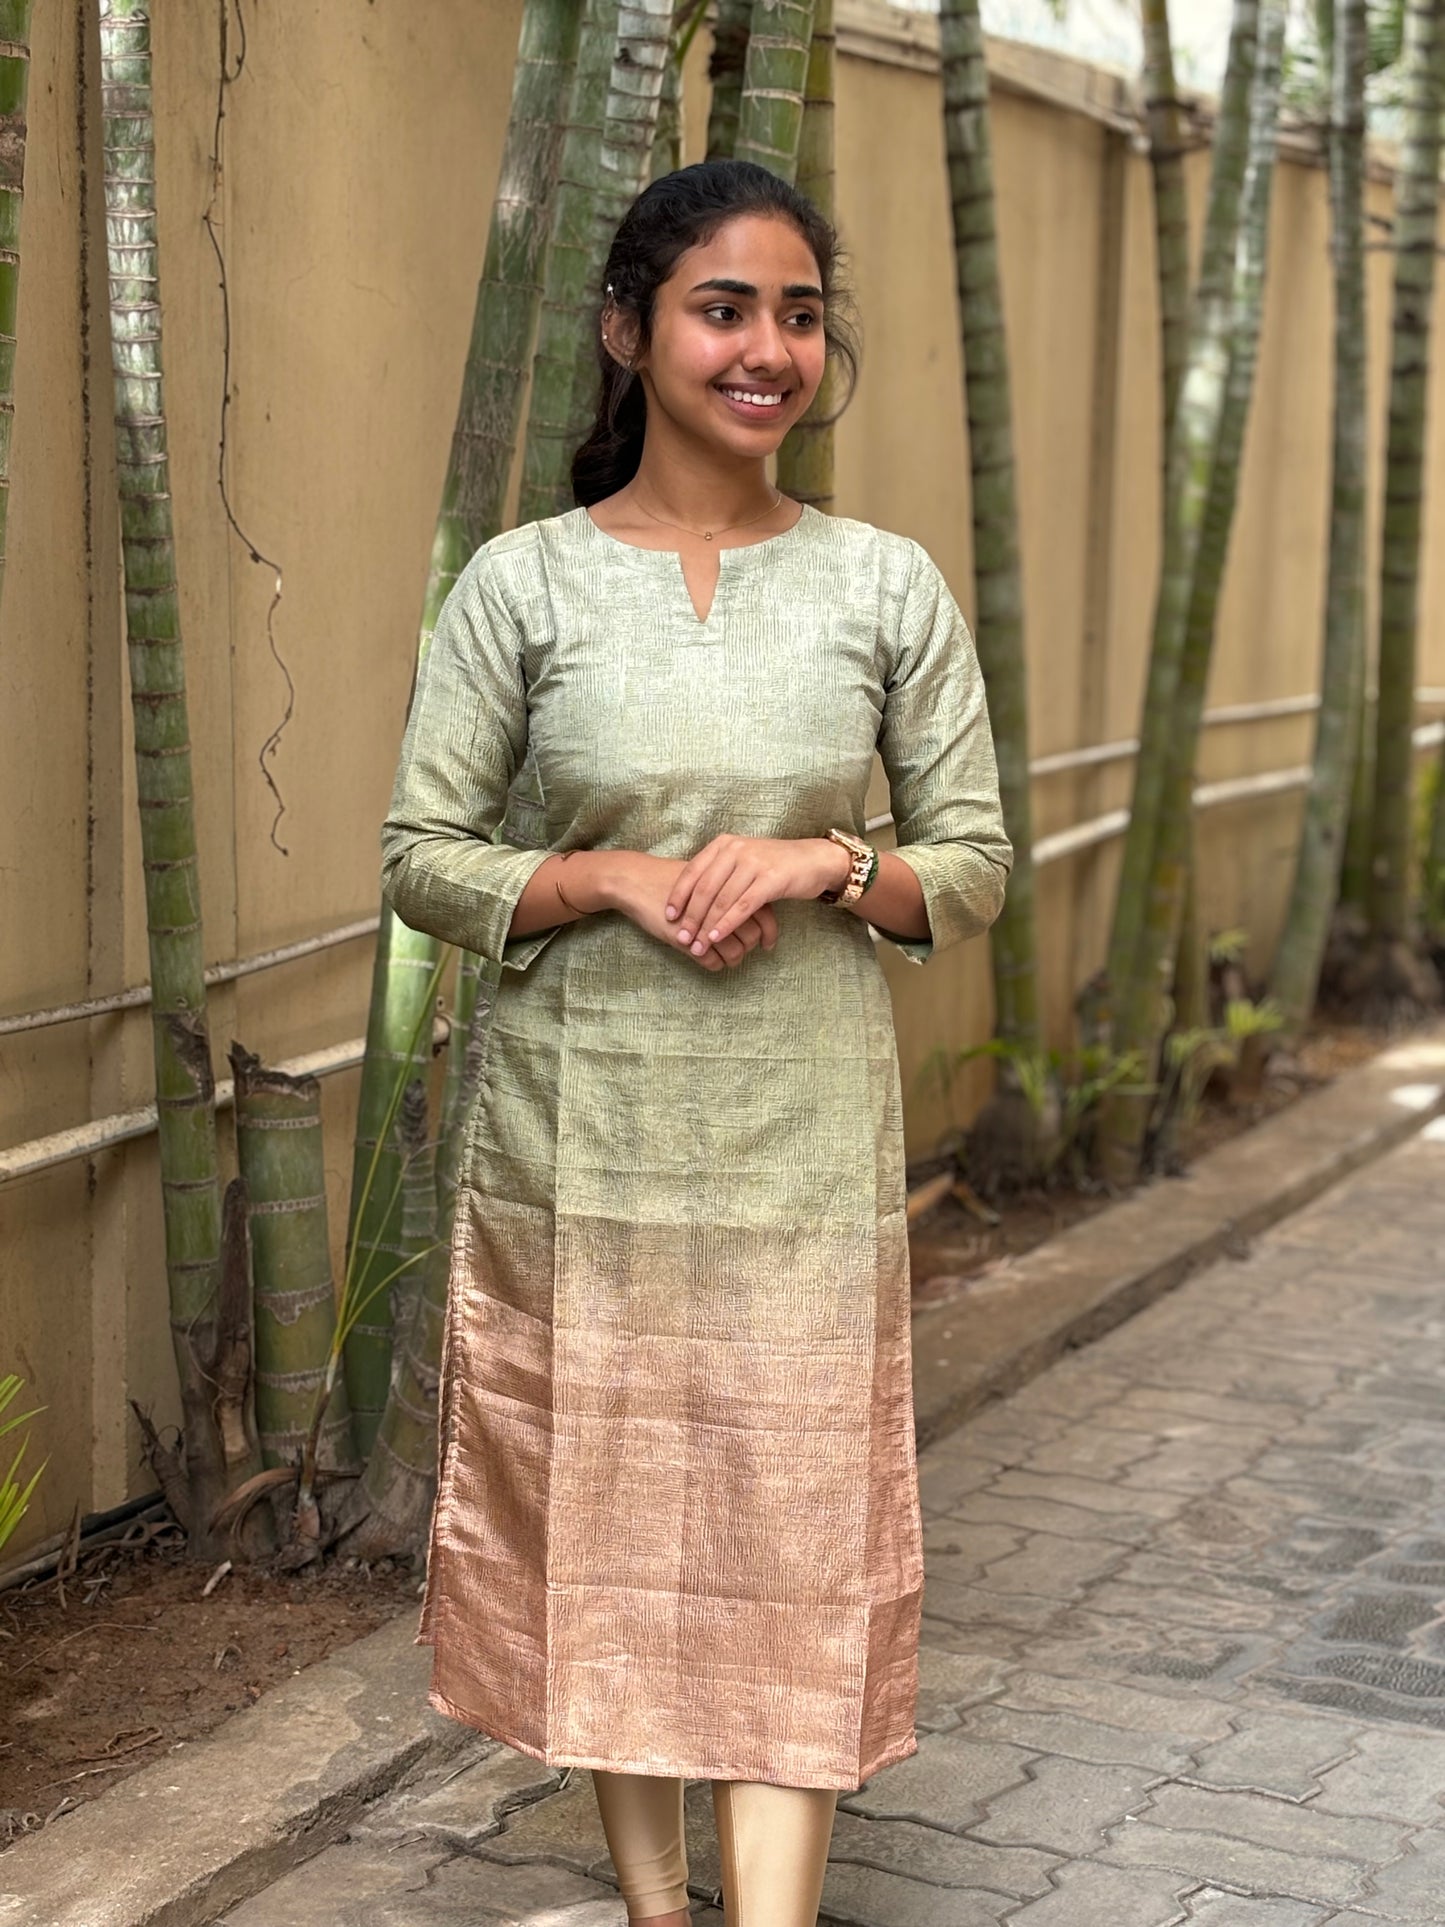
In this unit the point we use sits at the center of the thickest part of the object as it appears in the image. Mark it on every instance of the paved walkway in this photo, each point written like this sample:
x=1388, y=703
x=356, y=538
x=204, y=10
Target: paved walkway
x=1185, y=1653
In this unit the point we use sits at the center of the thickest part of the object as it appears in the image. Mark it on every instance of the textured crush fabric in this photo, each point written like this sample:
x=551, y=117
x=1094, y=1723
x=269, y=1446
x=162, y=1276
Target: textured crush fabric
x=677, y=1525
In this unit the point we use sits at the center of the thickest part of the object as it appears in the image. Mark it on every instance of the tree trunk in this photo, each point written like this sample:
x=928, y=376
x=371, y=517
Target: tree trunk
x=770, y=118
x=1209, y=438
x=185, y=1082
x=283, y=1160
x=1186, y=451
x=667, y=143
x=997, y=583
x=400, y=986
x=805, y=458
x=14, y=82
x=725, y=70
x=1296, y=972
x=471, y=512
x=1417, y=193
x=399, y=1484
x=569, y=301
x=1171, y=208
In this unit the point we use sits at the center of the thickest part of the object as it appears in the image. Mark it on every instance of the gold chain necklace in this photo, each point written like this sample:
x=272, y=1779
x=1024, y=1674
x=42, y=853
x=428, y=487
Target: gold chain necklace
x=708, y=534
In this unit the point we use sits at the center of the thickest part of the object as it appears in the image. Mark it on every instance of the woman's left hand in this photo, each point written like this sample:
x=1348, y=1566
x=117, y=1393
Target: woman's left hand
x=731, y=877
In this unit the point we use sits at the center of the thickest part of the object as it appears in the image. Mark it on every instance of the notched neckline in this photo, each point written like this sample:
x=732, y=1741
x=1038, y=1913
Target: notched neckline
x=673, y=557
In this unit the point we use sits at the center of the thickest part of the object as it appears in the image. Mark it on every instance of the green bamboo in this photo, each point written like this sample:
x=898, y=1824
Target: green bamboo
x=775, y=74
x=185, y=1085
x=1171, y=207
x=667, y=141
x=418, y=1154
x=1187, y=454
x=725, y=67
x=1433, y=886
x=630, y=115
x=401, y=980
x=472, y=511
x=1213, y=411
x=283, y=1160
x=508, y=298
x=399, y=1484
x=569, y=298
x=1417, y=193
x=1355, y=871
x=997, y=575
x=805, y=468
x=14, y=82
x=1294, y=978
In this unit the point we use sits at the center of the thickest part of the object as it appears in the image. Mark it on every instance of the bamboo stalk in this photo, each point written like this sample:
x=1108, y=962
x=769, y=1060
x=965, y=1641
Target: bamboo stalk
x=1190, y=438
x=997, y=571
x=190, y=1179
x=1417, y=195
x=775, y=74
x=1171, y=209
x=725, y=68
x=399, y=1484
x=14, y=85
x=806, y=456
x=282, y=1158
x=471, y=512
x=569, y=298
x=401, y=988
x=1294, y=979
x=1213, y=411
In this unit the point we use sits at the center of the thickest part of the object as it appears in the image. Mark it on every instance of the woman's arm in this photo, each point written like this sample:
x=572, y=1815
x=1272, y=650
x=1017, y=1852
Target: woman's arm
x=937, y=749
x=466, y=735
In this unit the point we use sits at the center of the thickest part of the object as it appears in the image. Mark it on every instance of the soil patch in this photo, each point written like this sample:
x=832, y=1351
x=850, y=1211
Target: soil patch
x=128, y=1658
x=951, y=1248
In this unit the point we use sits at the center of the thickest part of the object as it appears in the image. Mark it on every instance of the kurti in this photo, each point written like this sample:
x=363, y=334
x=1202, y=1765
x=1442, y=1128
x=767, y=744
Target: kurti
x=677, y=1525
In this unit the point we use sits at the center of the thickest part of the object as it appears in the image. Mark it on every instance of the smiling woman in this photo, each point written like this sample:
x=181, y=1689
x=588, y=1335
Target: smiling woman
x=677, y=1530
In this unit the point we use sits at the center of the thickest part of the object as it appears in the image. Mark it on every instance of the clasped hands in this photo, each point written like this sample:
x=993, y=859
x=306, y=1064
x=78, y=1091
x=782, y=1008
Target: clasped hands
x=718, y=906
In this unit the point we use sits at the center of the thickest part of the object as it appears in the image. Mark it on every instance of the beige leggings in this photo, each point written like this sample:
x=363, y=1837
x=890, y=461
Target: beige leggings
x=772, y=1841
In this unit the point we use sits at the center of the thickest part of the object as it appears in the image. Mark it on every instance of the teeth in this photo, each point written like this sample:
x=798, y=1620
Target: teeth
x=744, y=394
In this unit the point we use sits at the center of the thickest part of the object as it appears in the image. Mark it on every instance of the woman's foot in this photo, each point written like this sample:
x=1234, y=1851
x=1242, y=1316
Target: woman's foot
x=679, y=1917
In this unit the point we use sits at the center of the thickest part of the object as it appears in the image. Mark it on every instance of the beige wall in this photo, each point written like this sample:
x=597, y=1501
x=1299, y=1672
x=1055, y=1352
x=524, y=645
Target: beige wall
x=361, y=148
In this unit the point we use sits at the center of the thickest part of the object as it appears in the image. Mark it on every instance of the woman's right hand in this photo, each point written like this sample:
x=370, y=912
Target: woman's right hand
x=640, y=887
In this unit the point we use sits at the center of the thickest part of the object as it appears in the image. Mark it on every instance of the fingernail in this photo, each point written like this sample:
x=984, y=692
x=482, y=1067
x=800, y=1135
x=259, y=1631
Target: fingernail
x=698, y=947
x=714, y=935
x=684, y=936
x=670, y=911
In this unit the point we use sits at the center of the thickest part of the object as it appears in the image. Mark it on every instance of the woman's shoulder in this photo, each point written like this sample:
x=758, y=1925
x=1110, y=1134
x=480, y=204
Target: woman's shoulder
x=867, y=538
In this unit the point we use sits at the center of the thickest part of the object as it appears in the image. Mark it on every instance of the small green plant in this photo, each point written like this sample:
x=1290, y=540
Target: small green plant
x=1062, y=1089
x=14, y=1499
x=1192, y=1056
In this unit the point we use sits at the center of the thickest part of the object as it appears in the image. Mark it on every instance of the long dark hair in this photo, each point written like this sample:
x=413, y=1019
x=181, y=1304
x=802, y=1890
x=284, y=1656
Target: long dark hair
x=676, y=212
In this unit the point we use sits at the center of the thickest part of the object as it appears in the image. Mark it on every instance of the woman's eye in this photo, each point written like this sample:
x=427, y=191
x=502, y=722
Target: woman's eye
x=726, y=308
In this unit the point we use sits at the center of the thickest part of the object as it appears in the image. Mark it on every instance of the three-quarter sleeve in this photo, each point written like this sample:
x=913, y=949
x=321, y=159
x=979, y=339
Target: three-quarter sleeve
x=937, y=749
x=443, y=870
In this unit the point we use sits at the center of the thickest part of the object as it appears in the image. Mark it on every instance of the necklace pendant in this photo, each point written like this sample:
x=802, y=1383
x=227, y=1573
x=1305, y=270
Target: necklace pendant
x=707, y=535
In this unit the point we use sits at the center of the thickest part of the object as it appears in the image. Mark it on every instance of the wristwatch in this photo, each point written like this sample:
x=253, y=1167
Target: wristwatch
x=860, y=873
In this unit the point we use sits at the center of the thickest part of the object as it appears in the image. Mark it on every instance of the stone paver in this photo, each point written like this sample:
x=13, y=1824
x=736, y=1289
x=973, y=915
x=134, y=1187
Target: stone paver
x=1184, y=1639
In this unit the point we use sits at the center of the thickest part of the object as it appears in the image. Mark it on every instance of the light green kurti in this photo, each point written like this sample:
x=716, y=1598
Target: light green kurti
x=677, y=1525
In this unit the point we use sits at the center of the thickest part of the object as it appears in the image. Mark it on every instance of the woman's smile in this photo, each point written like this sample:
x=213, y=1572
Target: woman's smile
x=737, y=398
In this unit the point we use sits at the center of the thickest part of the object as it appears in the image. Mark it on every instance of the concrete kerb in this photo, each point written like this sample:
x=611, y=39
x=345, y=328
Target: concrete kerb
x=990, y=1341
x=181, y=1842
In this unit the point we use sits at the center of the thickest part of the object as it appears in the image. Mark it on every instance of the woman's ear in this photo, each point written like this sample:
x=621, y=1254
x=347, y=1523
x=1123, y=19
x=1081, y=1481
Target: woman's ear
x=619, y=334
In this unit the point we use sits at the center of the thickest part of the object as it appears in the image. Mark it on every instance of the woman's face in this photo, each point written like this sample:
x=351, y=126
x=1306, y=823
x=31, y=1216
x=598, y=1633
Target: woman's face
x=741, y=312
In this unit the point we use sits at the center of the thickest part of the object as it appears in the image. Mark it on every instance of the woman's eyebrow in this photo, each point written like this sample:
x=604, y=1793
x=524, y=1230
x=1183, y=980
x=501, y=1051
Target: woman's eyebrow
x=795, y=290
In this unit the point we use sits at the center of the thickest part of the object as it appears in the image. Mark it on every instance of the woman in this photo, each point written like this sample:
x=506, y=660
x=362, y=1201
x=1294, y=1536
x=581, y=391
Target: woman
x=677, y=1530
